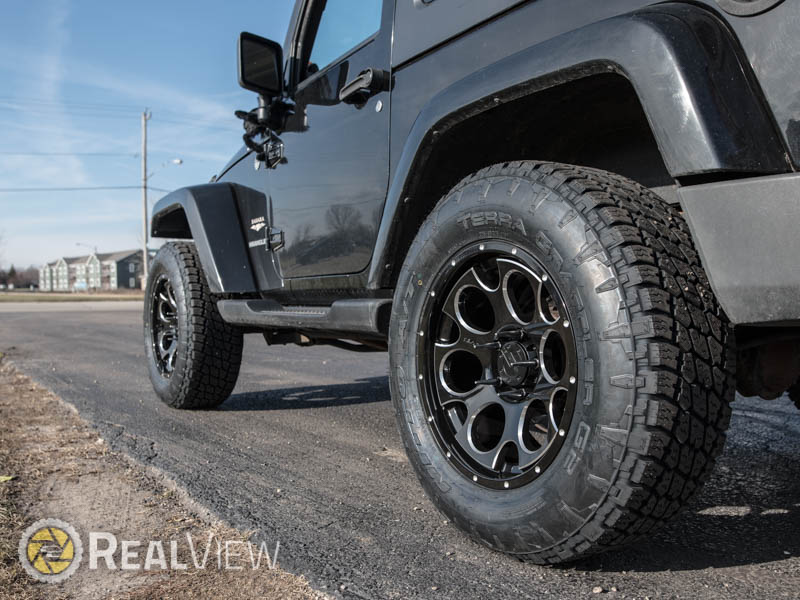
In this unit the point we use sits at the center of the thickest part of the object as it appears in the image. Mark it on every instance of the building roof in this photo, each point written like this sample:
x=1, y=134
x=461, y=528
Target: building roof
x=117, y=256
x=74, y=260
x=102, y=257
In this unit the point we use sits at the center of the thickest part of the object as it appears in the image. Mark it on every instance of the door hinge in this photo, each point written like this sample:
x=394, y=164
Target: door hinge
x=275, y=239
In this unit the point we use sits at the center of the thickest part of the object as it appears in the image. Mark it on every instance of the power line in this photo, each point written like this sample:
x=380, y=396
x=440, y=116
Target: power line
x=25, y=103
x=81, y=189
x=129, y=154
x=102, y=112
x=200, y=124
x=112, y=106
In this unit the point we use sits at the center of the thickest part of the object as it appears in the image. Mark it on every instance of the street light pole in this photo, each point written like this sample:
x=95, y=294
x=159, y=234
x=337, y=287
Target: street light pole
x=145, y=256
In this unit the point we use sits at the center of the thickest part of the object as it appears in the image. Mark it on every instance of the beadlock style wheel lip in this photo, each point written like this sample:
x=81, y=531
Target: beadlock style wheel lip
x=436, y=418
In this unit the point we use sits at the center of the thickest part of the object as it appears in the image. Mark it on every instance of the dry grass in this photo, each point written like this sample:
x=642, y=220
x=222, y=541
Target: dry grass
x=14, y=582
x=63, y=470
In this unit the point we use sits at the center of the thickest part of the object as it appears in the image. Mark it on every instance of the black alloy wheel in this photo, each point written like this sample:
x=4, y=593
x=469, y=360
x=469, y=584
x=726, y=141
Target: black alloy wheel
x=499, y=360
x=164, y=331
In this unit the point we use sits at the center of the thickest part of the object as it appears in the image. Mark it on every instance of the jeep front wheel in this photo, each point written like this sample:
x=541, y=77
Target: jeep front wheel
x=560, y=368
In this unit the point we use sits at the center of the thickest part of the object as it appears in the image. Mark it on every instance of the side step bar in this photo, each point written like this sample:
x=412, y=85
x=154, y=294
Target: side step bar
x=367, y=316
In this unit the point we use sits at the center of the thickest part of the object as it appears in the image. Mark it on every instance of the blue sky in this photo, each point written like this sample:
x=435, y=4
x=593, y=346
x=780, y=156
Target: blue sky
x=76, y=76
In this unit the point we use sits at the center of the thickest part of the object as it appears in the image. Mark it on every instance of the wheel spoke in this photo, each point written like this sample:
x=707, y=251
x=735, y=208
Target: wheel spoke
x=547, y=309
x=167, y=342
x=456, y=371
x=511, y=272
x=476, y=403
x=167, y=348
x=171, y=297
x=452, y=304
x=170, y=362
x=557, y=366
x=513, y=433
x=465, y=344
x=165, y=313
x=545, y=393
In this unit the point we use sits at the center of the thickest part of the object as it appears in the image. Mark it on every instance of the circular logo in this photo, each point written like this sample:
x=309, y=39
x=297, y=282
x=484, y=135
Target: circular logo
x=50, y=550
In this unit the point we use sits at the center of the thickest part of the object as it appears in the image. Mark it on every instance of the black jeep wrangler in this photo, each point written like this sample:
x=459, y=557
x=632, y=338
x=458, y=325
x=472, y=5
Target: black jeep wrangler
x=553, y=214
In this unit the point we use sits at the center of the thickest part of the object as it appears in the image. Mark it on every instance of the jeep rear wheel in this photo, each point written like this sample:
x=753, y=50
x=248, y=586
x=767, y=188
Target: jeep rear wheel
x=193, y=356
x=560, y=368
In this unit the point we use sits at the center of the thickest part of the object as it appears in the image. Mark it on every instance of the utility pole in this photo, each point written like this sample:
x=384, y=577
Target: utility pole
x=145, y=256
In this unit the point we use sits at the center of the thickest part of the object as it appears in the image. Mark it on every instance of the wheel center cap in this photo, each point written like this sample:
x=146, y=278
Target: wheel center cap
x=509, y=371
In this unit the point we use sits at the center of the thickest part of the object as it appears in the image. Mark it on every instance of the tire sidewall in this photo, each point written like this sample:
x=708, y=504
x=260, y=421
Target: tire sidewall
x=536, y=217
x=166, y=264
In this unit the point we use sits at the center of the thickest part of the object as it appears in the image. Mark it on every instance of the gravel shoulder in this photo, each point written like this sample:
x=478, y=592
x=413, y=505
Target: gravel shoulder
x=62, y=469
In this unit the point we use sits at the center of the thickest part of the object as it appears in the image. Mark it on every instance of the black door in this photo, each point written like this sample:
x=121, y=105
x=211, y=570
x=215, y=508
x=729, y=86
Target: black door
x=328, y=192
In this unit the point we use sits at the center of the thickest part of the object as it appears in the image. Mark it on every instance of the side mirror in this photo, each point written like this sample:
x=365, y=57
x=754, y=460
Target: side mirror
x=260, y=65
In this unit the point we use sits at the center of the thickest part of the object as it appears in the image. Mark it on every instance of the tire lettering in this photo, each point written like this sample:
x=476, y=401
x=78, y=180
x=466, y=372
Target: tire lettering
x=481, y=218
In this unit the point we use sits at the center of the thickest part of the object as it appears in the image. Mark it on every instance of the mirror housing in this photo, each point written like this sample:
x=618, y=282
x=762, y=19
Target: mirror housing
x=260, y=65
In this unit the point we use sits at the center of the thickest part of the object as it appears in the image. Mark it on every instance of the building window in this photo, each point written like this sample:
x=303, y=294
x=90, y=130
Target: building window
x=131, y=268
x=132, y=282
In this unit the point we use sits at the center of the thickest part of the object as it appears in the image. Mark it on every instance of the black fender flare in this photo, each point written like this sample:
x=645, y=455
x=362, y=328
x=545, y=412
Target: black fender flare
x=209, y=215
x=703, y=103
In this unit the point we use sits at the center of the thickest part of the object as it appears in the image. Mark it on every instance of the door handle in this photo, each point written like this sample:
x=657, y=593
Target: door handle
x=368, y=83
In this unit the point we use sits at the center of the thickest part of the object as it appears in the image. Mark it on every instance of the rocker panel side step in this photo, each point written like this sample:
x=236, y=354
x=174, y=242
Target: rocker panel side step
x=365, y=316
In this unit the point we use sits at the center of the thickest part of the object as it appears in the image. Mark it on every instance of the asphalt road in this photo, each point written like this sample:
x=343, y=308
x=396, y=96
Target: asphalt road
x=306, y=452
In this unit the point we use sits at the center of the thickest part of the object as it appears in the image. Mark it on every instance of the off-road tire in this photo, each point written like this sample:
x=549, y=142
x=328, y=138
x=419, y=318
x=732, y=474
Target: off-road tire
x=209, y=351
x=655, y=355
